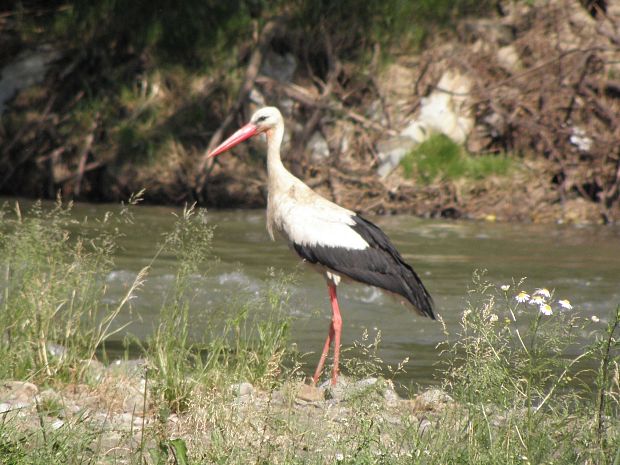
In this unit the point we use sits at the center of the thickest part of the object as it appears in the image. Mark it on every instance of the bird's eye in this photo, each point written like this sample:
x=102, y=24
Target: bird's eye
x=261, y=119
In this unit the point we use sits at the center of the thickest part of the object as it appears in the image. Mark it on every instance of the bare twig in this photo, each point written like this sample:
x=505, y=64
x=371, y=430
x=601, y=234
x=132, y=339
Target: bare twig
x=88, y=143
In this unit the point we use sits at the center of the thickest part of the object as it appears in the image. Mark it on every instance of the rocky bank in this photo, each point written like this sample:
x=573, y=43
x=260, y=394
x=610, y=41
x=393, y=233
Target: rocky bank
x=118, y=414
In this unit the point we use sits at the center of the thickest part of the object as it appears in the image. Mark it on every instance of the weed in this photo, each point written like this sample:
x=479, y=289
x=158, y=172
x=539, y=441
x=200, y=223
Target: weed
x=514, y=382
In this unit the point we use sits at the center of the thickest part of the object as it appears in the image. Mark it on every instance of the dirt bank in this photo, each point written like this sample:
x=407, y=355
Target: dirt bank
x=542, y=89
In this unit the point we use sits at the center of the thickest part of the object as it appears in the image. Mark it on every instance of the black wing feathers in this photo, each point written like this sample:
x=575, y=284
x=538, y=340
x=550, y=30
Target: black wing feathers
x=379, y=265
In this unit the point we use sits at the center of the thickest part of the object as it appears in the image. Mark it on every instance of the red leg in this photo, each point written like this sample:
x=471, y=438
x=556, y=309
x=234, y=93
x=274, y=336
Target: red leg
x=319, y=367
x=336, y=328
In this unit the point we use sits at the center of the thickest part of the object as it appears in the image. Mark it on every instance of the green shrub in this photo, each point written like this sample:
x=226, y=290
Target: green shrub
x=439, y=158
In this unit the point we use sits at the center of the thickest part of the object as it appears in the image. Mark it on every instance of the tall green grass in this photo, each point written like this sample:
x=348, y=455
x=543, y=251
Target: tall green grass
x=247, y=343
x=52, y=315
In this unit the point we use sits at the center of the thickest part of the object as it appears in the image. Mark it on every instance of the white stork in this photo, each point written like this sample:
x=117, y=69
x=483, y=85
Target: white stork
x=338, y=242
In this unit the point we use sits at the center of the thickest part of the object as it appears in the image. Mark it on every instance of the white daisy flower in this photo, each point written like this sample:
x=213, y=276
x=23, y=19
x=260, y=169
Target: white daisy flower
x=543, y=292
x=537, y=300
x=546, y=309
x=522, y=297
x=565, y=303
x=595, y=319
x=505, y=287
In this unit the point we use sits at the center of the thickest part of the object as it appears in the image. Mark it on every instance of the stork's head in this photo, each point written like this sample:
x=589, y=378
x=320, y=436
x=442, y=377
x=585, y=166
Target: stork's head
x=263, y=120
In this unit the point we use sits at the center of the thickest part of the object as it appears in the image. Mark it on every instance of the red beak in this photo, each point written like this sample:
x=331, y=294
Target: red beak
x=242, y=134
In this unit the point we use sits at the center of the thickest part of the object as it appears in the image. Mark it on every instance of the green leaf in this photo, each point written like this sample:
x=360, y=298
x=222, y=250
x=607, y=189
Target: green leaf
x=179, y=449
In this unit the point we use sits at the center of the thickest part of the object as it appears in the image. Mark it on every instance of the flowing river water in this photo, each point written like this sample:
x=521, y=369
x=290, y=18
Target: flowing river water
x=579, y=263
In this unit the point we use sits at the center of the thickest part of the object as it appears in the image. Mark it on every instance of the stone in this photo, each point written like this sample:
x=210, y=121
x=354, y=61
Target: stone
x=56, y=350
x=279, y=67
x=57, y=424
x=94, y=370
x=431, y=400
x=508, y=58
x=345, y=390
x=318, y=148
x=134, y=402
x=390, y=395
x=310, y=393
x=18, y=392
x=424, y=426
x=580, y=139
x=278, y=398
x=391, y=151
x=446, y=110
x=26, y=70
x=129, y=368
x=416, y=131
x=242, y=389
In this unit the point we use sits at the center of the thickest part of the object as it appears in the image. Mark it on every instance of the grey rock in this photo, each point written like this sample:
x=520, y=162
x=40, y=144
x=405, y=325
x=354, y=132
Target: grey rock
x=279, y=67
x=129, y=368
x=432, y=400
x=345, y=390
x=57, y=424
x=5, y=407
x=391, y=151
x=425, y=426
x=390, y=395
x=18, y=392
x=26, y=70
x=94, y=370
x=508, y=58
x=56, y=350
x=242, y=389
x=317, y=145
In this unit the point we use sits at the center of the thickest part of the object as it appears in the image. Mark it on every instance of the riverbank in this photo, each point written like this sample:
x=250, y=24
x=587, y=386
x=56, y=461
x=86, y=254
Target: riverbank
x=525, y=91
x=113, y=418
x=116, y=414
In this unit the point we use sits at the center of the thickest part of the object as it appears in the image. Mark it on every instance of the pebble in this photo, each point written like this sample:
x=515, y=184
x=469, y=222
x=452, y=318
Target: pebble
x=18, y=391
x=310, y=393
x=242, y=389
x=390, y=395
x=57, y=424
x=431, y=400
x=425, y=426
x=344, y=390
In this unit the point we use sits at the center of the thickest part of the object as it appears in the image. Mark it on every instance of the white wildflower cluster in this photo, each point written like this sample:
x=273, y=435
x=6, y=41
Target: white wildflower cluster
x=542, y=299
